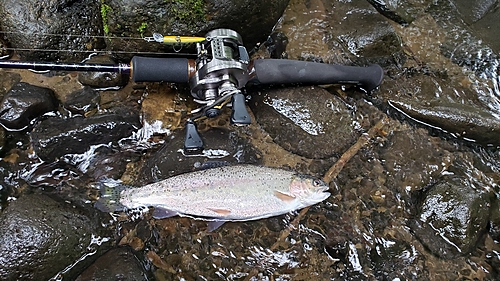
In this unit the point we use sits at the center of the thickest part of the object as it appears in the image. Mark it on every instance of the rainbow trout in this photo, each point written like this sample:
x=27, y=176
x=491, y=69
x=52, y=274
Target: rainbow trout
x=229, y=193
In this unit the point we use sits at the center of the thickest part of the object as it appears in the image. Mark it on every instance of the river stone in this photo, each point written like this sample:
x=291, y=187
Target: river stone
x=439, y=102
x=452, y=217
x=467, y=121
x=221, y=147
x=462, y=44
x=495, y=220
x=342, y=32
x=308, y=121
x=102, y=79
x=402, y=12
x=116, y=264
x=40, y=236
x=254, y=20
x=82, y=101
x=55, y=137
x=49, y=25
x=413, y=160
x=24, y=102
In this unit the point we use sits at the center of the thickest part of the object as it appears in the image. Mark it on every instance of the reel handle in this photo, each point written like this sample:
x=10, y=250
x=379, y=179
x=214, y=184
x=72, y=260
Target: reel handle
x=281, y=71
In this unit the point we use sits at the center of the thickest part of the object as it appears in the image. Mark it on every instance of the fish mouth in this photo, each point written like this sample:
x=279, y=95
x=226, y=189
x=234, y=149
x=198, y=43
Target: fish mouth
x=323, y=188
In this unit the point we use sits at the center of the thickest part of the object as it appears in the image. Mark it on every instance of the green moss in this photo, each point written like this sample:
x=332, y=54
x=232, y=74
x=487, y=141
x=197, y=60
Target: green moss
x=105, y=9
x=142, y=28
x=190, y=12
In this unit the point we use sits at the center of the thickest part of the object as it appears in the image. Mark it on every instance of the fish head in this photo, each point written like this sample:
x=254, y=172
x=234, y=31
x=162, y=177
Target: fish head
x=309, y=190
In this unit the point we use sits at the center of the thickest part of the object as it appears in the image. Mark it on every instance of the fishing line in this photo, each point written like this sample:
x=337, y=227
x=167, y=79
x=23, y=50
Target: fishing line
x=96, y=51
x=70, y=35
x=175, y=53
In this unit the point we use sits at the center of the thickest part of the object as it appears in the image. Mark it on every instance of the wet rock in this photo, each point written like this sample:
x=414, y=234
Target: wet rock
x=347, y=32
x=24, y=102
x=432, y=98
x=55, y=137
x=414, y=160
x=366, y=34
x=401, y=12
x=495, y=220
x=2, y=138
x=308, y=121
x=467, y=121
x=82, y=101
x=463, y=44
x=102, y=79
x=221, y=147
x=116, y=264
x=52, y=25
x=40, y=236
x=388, y=257
x=452, y=217
x=105, y=162
x=254, y=20
x=474, y=10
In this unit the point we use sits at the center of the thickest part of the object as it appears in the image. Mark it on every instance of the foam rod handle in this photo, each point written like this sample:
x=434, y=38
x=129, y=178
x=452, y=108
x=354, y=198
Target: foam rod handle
x=173, y=70
x=276, y=71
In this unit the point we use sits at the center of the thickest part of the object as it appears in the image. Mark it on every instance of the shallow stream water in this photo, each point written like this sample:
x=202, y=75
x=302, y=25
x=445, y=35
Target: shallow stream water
x=420, y=201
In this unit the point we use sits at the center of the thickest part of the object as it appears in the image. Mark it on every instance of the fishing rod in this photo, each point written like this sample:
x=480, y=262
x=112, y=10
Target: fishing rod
x=216, y=77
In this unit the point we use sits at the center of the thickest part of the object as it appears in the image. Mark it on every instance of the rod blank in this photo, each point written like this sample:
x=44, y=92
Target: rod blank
x=41, y=66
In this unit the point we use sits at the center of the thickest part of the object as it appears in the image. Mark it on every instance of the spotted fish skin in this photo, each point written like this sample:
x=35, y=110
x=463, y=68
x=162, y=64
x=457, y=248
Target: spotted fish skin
x=229, y=193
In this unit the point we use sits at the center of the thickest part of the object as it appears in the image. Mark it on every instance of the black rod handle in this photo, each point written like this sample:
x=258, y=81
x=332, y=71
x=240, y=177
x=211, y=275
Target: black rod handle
x=174, y=70
x=277, y=71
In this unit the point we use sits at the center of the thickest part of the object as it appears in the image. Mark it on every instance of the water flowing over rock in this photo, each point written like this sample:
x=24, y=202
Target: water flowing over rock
x=350, y=32
x=102, y=79
x=116, y=263
x=451, y=220
x=221, y=147
x=82, y=101
x=40, y=236
x=302, y=119
x=23, y=103
x=55, y=137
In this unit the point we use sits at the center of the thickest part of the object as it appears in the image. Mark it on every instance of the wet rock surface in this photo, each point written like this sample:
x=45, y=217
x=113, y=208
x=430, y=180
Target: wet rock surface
x=41, y=236
x=55, y=137
x=27, y=24
x=222, y=147
x=451, y=220
x=118, y=264
x=23, y=103
x=307, y=121
x=102, y=79
x=82, y=101
x=254, y=19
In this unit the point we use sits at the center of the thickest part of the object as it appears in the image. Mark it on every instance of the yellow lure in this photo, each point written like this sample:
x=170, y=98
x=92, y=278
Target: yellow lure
x=182, y=39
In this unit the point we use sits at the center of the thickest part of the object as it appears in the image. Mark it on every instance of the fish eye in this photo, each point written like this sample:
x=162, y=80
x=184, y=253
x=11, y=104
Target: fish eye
x=317, y=183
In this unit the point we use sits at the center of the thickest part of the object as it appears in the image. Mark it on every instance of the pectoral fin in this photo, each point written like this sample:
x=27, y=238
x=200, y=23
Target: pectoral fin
x=283, y=196
x=162, y=213
x=213, y=225
x=220, y=211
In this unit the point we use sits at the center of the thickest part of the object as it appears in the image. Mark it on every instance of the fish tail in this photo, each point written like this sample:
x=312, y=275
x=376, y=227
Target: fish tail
x=109, y=195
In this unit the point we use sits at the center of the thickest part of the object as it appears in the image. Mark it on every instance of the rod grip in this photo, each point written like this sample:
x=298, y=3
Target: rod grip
x=278, y=71
x=173, y=70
